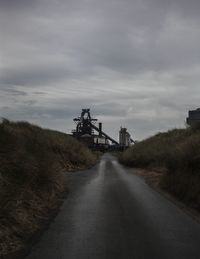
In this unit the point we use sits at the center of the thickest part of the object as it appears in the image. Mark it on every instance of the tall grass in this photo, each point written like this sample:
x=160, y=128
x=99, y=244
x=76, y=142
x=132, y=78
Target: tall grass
x=177, y=153
x=32, y=166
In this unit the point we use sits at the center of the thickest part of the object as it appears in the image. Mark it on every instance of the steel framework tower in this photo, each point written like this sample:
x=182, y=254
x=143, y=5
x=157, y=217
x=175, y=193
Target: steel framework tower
x=85, y=126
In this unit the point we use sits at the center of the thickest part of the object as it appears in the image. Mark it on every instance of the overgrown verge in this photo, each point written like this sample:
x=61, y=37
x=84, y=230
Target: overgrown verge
x=176, y=153
x=32, y=166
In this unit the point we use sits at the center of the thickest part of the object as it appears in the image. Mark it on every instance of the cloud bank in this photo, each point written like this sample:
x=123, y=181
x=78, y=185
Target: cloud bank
x=135, y=63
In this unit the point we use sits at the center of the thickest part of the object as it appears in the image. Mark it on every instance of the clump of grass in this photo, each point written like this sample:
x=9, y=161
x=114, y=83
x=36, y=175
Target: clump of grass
x=175, y=152
x=32, y=165
x=183, y=171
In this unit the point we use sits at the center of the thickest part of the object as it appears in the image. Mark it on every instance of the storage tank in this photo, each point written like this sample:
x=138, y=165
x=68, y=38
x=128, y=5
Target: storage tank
x=124, y=137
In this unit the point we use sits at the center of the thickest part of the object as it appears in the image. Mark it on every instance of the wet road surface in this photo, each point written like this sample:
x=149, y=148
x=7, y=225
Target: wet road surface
x=112, y=213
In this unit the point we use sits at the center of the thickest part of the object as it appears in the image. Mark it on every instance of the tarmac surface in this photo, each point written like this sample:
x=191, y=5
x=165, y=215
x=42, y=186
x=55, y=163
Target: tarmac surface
x=112, y=213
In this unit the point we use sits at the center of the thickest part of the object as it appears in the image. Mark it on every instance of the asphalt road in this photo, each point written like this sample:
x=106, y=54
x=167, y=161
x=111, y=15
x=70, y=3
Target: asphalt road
x=112, y=213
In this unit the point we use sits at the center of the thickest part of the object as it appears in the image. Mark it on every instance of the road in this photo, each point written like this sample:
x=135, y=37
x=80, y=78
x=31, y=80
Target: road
x=111, y=213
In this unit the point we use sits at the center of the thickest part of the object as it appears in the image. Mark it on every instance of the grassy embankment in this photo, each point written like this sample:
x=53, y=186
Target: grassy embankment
x=176, y=153
x=32, y=166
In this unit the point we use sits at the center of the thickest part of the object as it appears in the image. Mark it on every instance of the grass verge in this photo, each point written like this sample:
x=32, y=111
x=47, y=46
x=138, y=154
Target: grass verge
x=176, y=154
x=32, y=166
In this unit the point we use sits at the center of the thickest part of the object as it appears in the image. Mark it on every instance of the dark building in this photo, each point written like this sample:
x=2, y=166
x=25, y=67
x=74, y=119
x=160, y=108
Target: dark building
x=193, y=117
x=87, y=132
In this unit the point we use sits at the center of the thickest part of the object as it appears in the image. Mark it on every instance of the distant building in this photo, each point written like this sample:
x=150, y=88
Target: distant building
x=193, y=117
x=124, y=138
x=100, y=140
x=87, y=132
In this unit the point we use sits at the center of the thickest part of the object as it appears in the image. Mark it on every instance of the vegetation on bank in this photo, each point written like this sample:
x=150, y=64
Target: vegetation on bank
x=177, y=154
x=32, y=165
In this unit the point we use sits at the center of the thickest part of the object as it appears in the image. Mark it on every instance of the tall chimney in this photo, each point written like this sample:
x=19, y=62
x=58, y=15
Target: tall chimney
x=100, y=128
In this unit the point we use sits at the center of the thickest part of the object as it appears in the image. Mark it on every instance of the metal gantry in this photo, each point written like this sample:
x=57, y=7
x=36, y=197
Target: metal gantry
x=85, y=129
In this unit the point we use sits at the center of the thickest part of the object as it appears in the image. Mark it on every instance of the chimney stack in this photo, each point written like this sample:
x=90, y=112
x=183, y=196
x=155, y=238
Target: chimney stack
x=100, y=128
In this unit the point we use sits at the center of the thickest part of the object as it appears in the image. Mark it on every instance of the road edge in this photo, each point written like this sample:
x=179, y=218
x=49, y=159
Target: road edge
x=148, y=177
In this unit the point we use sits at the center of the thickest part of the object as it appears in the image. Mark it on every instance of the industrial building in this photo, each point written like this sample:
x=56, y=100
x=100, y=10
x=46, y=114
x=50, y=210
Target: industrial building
x=87, y=132
x=193, y=117
x=94, y=137
x=124, y=138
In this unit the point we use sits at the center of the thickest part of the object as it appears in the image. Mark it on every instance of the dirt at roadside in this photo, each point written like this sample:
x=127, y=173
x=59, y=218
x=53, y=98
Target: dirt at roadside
x=153, y=178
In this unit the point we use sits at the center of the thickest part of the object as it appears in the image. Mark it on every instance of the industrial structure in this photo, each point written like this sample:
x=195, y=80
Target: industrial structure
x=125, y=139
x=193, y=117
x=87, y=132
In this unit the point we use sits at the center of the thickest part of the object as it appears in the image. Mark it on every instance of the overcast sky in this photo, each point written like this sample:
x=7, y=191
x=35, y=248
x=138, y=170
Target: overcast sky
x=135, y=63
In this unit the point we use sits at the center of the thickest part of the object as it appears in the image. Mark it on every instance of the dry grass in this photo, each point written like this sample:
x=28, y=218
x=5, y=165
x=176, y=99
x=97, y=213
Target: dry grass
x=32, y=166
x=177, y=153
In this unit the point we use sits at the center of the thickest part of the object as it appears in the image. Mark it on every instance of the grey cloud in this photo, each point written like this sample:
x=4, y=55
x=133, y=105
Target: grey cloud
x=13, y=4
x=134, y=61
x=39, y=93
x=32, y=75
x=12, y=91
x=124, y=39
x=188, y=8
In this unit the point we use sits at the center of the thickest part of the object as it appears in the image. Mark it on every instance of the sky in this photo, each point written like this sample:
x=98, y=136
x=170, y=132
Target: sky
x=134, y=63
